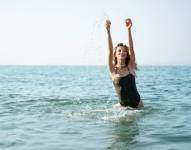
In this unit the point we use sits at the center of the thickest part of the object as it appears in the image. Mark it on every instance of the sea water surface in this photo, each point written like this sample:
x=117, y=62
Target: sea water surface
x=71, y=108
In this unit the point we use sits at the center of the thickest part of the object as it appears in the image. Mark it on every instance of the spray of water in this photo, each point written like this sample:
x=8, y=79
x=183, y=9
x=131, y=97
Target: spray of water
x=104, y=113
x=96, y=44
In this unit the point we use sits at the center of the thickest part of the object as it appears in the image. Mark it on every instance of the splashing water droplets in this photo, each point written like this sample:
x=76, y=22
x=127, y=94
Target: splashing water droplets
x=104, y=114
x=95, y=45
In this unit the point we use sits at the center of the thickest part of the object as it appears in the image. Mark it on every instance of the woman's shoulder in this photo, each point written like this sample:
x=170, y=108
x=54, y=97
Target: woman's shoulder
x=113, y=73
x=132, y=66
x=132, y=70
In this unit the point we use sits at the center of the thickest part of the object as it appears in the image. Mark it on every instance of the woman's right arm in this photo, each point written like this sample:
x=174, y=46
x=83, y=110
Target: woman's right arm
x=110, y=46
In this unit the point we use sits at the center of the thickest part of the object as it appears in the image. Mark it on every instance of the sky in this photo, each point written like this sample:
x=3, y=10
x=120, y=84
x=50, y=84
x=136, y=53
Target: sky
x=71, y=32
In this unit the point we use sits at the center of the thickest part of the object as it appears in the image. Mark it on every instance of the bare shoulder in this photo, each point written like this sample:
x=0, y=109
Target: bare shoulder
x=111, y=68
x=131, y=67
x=132, y=64
x=112, y=73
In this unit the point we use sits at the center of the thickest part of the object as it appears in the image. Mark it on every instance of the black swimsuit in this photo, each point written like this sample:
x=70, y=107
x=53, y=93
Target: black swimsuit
x=126, y=90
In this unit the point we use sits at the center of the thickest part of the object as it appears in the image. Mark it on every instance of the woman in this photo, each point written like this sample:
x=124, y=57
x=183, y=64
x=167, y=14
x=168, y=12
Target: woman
x=122, y=67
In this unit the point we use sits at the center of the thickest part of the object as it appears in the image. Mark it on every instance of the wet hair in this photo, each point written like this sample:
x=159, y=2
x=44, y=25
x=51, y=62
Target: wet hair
x=128, y=55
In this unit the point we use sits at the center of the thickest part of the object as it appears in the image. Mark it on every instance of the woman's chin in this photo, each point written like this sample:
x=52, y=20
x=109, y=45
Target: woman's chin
x=122, y=57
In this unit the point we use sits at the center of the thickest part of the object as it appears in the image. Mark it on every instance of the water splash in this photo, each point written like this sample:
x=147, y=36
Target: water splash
x=105, y=114
x=95, y=44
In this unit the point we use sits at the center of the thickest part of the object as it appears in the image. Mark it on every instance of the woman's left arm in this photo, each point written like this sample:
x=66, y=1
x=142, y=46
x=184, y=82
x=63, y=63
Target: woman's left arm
x=128, y=23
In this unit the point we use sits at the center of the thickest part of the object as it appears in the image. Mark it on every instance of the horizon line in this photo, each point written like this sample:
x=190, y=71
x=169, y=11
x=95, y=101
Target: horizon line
x=89, y=65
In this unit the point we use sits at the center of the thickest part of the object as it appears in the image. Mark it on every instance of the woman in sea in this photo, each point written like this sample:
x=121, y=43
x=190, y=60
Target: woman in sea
x=122, y=67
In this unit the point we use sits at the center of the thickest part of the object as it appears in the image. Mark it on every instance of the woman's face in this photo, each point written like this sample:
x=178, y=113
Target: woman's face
x=121, y=53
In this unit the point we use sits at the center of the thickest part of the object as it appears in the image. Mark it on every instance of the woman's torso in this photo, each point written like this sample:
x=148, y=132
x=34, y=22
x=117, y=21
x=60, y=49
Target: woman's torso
x=125, y=87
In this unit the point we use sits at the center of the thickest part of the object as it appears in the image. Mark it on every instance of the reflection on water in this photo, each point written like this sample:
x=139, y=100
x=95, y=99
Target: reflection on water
x=122, y=125
x=123, y=134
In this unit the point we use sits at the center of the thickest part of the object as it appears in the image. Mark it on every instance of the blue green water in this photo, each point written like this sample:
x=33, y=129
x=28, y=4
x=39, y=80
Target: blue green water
x=71, y=108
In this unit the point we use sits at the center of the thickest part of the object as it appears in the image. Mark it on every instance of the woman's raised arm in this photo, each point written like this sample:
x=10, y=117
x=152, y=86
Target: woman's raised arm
x=128, y=23
x=110, y=46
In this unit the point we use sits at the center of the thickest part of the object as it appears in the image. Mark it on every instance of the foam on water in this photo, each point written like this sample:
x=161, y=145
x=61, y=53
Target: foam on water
x=106, y=114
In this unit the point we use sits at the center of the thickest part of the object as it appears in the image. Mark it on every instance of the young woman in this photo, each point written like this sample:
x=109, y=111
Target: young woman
x=122, y=67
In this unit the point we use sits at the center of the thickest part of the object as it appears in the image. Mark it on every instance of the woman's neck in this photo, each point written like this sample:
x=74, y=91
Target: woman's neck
x=121, y=63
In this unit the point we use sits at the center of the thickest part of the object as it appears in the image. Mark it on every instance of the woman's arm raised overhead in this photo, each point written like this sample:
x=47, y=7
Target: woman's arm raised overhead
x=110, y=46
x=132, y=63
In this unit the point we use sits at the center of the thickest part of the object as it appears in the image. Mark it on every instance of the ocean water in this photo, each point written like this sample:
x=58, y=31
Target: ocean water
x=71, y=108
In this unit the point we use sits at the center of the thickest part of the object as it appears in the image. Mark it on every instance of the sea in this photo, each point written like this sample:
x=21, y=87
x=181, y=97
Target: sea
x=57, y=107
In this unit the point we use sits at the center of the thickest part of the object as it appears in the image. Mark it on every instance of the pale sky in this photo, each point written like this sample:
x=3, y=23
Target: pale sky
x=71, y=32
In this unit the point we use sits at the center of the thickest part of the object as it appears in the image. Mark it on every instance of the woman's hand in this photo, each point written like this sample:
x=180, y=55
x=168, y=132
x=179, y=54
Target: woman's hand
x=107, y=24
x=128, y=23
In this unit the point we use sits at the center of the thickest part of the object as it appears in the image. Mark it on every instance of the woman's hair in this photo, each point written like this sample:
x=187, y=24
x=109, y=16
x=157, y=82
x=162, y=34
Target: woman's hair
x=128, y=55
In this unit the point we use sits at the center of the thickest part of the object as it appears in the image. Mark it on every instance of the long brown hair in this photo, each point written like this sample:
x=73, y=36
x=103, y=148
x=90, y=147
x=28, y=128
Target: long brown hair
x=128, y=55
